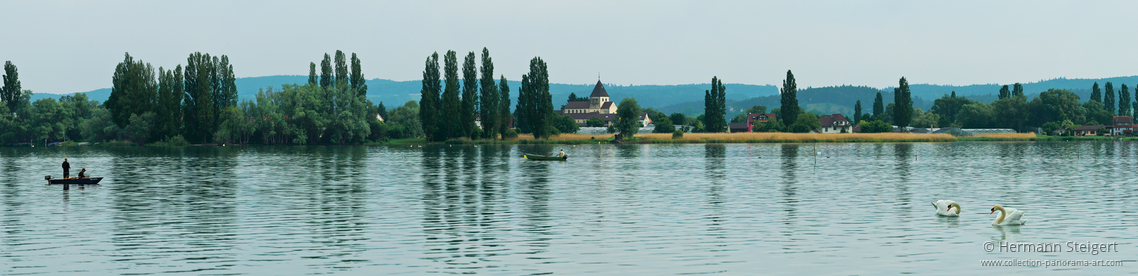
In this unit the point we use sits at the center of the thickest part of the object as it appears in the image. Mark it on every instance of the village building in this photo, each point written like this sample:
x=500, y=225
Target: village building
x=1123, y=125
x=598, y=106
x=835, y=123
x=1089, y=130
x=752, y=119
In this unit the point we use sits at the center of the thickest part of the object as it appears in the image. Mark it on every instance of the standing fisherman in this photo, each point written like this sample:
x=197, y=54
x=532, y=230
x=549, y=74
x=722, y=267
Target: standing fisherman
x=66, y=168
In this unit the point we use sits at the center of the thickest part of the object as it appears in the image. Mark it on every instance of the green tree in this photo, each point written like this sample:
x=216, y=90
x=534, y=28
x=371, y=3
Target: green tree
x=133, y=90
x=947, y=108
x=595, y=122
x=10, y=93
x=1096, y=112
x=715, y=107
x=326, y=78
x=312, y=73
x=489, y=98
x=168, y=120
x=878, y=106
x=903, y=114
x=805, y=122
x=429, y=106
x=469, y=96
x=857, y=112
x=406, y=119
x=224, y=87
x=1056, y=105
x=451, y=123
x=140, y=127
x=198, y=103
x=1017, y=90
x=676, y=118
x=504, y=117
x=1010, y=112
x=381, y=110
x=974, y=115
x=358, y=82
x=875, y=126
x=663, y=125
x=627, y=117
x=1096, y=93
x=1004, y=92
x=927, y=119
x=566, y=124
x=537, y=110
x=1108, y=100
x=1124, y=101
x=789, y=98
x=341, y=67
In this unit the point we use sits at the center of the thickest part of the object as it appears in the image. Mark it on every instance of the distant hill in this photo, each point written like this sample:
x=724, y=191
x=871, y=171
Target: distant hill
x=688, y=98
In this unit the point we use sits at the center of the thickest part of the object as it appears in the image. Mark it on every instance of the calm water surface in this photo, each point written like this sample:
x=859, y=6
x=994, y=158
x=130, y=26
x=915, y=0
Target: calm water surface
x=827, y=209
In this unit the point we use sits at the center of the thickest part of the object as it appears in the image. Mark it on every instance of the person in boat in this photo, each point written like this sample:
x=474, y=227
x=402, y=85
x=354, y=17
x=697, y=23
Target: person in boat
x=81, y=173
x=66, y=168
x=561, y=154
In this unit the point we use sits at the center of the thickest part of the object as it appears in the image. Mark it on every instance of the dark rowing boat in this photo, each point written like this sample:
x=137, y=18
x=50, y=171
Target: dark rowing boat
x=73, y=180
x=546, y=158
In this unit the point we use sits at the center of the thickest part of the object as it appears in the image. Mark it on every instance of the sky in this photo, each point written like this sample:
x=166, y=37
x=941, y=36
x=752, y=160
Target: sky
x=73, y=46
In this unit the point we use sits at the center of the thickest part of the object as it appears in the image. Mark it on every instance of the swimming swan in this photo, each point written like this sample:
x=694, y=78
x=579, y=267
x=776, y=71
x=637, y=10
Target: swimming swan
x=945, y=208
x=1009, y=216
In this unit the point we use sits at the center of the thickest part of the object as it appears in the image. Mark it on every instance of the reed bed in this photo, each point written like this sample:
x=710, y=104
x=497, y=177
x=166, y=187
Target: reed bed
x=779, y=137
x=1008, y=135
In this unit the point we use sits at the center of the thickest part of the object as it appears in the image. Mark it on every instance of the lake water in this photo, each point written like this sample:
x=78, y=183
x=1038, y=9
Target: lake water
x=772, y=209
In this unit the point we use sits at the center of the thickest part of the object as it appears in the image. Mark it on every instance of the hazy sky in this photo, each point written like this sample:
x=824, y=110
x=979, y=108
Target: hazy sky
x=72, y=46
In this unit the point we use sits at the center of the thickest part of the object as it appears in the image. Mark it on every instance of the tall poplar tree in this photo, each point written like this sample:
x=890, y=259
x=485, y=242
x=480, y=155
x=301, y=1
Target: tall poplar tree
x=857, y=112
x=134, y=90
x=169, y=112
x=789, y=99
x=469, y=96
x=1096, y=94
x=1108, y=98
x=715, y=109
x=523, y=108
x=504, y=115
x=538, y=102
x=198, y=102
x=488, y=100
x=10, y=93
x=878, y=106
x=326, y=78
x=1004, y=92
x=903, y=100
x=1017, y=89
x=312, y=73
x=429, y=101
x=358, y=82
x=1124, y=101
x=224, y=89
x=450, y=125
x=341, y=67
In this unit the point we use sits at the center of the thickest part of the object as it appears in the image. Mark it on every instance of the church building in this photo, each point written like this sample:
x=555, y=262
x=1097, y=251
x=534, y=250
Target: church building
x=598, y=105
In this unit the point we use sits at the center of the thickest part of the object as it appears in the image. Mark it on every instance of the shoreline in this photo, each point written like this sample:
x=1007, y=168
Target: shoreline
x=697, y=138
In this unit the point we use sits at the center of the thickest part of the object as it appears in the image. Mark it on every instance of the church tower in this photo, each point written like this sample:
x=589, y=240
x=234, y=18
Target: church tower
x=598, y=97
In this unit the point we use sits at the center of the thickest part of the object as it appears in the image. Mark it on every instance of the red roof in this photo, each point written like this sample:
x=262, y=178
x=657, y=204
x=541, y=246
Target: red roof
x=599, y=91
x=1124, y=120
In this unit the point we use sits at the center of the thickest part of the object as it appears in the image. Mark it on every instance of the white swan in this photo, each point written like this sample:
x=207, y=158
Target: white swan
x=945, y=208
x=1009, y=216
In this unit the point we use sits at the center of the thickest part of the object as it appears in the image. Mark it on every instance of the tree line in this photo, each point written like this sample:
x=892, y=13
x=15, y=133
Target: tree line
x=1052, y=109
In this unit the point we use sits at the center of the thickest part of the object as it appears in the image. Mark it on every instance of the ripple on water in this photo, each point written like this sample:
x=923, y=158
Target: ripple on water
x=612, y=209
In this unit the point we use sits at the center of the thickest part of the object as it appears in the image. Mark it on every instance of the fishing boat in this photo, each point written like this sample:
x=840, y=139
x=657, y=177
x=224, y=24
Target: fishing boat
x=73, y=180
x=546, y=158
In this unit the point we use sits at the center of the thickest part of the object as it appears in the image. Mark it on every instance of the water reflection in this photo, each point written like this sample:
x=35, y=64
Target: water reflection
x=1007, y=233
